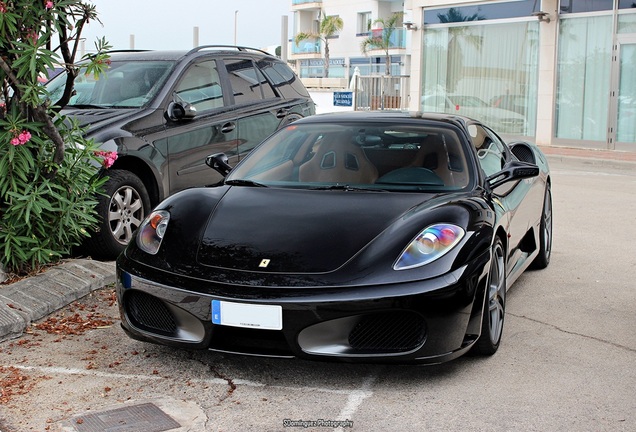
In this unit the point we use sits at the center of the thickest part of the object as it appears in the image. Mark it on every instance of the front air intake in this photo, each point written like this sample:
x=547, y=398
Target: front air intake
x=148, y=313
x=390, y=332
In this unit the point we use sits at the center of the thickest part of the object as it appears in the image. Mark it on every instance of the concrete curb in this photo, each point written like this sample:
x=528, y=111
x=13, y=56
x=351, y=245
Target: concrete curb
x=31, y=299
x=583, y=162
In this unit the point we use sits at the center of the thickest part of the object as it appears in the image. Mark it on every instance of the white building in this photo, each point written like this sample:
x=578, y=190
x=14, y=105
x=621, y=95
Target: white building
x=566, y=68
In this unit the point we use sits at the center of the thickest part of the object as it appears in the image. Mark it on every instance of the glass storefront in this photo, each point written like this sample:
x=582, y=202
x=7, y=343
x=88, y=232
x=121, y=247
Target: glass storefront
x=596, y=90
x=370, y=66
x=482, y=61
x=626, y=121
x=584, y=72
x=315, y=68
x=487, y=71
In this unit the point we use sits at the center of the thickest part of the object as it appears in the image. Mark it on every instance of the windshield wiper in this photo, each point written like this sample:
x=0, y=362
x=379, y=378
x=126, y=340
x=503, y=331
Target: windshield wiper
x=241, y=182
x=346, y=187
x=84, y=106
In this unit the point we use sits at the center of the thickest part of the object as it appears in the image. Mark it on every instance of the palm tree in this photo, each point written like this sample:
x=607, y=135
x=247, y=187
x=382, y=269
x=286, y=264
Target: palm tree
x=455, y=56
x=383, y=41
x=329, y=27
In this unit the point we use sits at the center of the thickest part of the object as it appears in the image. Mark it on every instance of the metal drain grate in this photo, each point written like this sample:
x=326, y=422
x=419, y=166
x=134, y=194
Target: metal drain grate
x=136, y=418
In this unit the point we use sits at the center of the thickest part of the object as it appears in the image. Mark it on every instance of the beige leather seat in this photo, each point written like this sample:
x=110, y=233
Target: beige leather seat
x=434, y=155
x=338, y=160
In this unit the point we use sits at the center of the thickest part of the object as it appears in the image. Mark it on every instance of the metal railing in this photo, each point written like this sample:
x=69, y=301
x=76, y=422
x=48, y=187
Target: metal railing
x=381, y=92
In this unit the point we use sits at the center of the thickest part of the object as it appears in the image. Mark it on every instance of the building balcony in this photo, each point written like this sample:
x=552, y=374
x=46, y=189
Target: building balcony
x=306, y=4
x=309, y=48
x=397, y=40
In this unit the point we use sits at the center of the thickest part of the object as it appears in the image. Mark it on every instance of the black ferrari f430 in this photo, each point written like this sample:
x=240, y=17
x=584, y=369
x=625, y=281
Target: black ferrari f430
x=374, y=237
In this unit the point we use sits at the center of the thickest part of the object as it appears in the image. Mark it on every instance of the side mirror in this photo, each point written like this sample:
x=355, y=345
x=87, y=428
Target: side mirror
x=181, y=111
x=219, y=163
x=515, y=170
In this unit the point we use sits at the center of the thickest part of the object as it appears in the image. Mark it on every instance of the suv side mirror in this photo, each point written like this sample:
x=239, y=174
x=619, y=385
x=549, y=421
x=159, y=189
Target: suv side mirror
x=180, y=111
x=219, y=163
x=515, y=170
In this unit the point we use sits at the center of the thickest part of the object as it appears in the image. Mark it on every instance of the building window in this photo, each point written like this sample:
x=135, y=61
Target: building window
x=584, y=77
x=574, y=6
x=315, y=68
x=488, y=72
x=364, y=23
x=480, y=12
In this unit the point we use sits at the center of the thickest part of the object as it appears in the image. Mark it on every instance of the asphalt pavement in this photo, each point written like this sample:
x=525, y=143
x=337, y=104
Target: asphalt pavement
x=33, y=298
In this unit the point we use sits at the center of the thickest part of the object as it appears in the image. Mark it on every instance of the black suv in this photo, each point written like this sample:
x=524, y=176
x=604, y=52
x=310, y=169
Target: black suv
x=163, y=112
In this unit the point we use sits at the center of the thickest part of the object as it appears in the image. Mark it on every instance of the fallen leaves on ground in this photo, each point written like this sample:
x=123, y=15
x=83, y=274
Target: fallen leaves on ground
x=14, y=382
x=82, y=318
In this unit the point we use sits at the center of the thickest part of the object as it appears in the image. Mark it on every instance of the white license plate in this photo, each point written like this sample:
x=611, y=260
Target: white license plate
x=264, y=317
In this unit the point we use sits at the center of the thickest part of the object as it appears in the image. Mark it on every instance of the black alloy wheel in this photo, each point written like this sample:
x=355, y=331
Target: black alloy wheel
x=545, y=233
x=495, y=305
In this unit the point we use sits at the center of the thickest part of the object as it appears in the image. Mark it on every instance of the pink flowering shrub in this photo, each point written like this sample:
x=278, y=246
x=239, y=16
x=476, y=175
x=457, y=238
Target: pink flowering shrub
x=108, y=157
x=50, y=174
x=22, y=138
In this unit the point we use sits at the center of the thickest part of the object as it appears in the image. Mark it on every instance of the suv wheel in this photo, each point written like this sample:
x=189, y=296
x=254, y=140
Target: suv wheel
x=121, y=210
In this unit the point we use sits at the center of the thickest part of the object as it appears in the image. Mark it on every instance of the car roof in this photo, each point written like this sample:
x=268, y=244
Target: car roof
x=175, y=55
x=386, y=115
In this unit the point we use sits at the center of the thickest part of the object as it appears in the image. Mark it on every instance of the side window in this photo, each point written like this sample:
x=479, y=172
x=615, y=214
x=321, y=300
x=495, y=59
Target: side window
x=200, y=86
x=254, y=129
x=283, y=78
x=490, y=151
x=248, y=83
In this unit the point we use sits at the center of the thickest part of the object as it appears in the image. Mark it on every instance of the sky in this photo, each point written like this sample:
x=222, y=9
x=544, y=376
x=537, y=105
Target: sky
x=162, y=24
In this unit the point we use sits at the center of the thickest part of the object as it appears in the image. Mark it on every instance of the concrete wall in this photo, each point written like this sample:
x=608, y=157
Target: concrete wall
x=324, y=102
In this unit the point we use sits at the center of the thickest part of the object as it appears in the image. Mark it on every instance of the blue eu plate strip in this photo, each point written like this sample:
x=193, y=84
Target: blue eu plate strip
x=216, y=311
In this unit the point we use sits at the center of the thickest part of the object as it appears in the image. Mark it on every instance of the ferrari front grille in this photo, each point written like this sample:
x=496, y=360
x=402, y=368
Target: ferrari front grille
x=390, y=332
x=148, y=313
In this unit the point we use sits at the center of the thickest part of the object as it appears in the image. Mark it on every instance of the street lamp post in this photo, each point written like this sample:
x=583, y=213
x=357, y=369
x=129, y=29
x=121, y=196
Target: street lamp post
x=235, y=22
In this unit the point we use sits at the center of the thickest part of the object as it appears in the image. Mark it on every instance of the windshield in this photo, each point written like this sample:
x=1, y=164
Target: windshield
x=357, y=155
x=129, y=84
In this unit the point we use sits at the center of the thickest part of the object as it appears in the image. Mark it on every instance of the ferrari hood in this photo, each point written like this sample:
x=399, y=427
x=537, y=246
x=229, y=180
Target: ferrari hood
x=296, y=231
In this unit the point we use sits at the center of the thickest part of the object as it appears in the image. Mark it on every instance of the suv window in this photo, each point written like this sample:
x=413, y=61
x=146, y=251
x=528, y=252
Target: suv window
x=248, y=83
x=200, y=86
x=283, y=79
x=125, y=84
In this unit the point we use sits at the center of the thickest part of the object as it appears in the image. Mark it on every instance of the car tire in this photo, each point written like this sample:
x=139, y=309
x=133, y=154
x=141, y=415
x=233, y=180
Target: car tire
x=121, y=210
x=545, y=233
x=494, y=305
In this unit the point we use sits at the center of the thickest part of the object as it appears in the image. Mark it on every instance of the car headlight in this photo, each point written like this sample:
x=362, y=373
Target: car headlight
x=429, y=245
x=152, y=230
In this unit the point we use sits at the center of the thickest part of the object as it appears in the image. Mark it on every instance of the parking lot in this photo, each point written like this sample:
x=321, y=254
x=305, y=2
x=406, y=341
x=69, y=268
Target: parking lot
x=567, y=360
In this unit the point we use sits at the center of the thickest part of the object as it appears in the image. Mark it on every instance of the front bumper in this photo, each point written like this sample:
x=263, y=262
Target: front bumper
x=428, y=321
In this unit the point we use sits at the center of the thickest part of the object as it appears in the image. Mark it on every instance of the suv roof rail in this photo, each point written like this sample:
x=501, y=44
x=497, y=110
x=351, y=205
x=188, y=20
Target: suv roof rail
x=126, y=51
x=239, y=48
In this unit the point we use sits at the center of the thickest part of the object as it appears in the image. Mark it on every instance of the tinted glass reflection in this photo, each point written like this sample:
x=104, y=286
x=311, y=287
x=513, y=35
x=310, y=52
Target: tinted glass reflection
x=481, y=12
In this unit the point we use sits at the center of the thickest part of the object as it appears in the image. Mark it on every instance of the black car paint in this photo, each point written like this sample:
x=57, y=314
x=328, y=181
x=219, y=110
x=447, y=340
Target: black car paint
x=160, y=153
x=451, y=290
x=138, y=136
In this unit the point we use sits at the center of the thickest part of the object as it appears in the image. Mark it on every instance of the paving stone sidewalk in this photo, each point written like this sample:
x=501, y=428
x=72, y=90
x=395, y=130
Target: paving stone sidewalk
x=33, y=298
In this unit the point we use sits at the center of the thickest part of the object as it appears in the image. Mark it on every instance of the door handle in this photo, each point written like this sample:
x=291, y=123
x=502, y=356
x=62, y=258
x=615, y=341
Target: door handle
x=228, y=127
x=282, y=113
